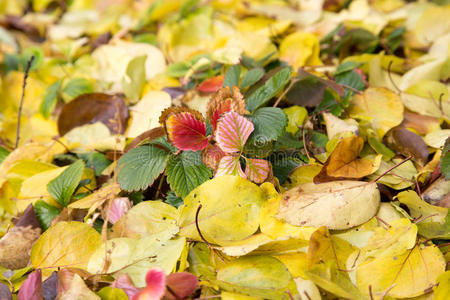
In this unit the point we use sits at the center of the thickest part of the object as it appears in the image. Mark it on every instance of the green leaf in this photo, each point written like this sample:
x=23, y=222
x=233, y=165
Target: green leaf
x=345, y=67
x=96, y=161
x=139, y=167
x=186, y=171
x=270, y=88
x=76, y=87
x=232, y=76
x=173, y=199
x=134, y=80
x=445, y=160
x=252, y=76
x=111, y=293
x=38, y=54
x=269, y=123
x=50, y=99
x=45, y=213
x=3, y=154
x=62, y=187
x=177, y=69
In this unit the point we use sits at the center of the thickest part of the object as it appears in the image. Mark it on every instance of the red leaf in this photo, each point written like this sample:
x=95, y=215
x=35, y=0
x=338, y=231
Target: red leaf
x=233, y=131
x=185, y=128
x=230, y=165
x=124, y=282
x=156, y=286
x=31, y=288
x=224, y=100
x=211, y=85
x=183, y=284
x=211, y=156
x=257, y=169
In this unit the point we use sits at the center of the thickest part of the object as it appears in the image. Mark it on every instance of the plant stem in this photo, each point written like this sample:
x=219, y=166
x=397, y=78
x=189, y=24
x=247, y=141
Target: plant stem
x=19, y=115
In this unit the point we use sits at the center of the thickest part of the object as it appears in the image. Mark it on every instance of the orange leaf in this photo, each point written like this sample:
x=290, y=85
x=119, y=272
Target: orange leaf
x=343, y=162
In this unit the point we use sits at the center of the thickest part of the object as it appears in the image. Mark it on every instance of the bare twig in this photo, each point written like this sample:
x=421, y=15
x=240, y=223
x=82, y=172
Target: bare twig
x=291, y=84
x=383, y=221
x=19, y=115
x=370, y=292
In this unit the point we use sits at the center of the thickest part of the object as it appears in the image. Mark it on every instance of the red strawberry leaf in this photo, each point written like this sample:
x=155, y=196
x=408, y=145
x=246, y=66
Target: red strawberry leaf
x=256, y=169
x=185, y=128
x=230, y=165
x=232, y=132
x=211, y=85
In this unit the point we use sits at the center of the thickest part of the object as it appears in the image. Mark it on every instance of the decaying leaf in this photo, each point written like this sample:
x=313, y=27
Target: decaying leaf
x=407, y=143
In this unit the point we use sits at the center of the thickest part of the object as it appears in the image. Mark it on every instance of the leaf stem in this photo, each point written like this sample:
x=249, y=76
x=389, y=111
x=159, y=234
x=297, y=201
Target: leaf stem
x=198, y=228
x=19, y=115
x=392, y=168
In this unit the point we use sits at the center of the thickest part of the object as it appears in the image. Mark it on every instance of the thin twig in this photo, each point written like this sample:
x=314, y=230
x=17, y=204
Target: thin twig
x=370, y=292
x=417, y=221
x=383, y=221
x=392, y=168
x=351, y=88
x=198, y=228
x=285, y=91
x=307, y=295
x=390, y=77
x=19, y=115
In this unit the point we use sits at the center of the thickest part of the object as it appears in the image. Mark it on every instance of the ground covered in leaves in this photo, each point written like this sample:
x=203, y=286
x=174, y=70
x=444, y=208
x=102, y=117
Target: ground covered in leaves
x=197, y=149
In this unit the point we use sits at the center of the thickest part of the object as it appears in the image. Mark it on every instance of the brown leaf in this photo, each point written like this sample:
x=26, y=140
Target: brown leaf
x=343, y=162
x=420, y=123
x=183, y=284
x=407, y=143
x=222, y=101
x=148, y=135
x=309, y=89
x=17, y=23
x=111, y=110
x=15, y=246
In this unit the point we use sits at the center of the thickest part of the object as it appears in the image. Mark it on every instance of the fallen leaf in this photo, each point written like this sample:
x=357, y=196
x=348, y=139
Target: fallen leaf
x=31, y=288
x=235, y=219
x=343, y=162
x=398, y=273
x=310, y=205
x=91, y=108
x=407, y=143
x=65, y=244
x=382, y=108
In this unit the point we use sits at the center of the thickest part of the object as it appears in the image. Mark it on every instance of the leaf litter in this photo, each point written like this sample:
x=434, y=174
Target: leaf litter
x=188, y=149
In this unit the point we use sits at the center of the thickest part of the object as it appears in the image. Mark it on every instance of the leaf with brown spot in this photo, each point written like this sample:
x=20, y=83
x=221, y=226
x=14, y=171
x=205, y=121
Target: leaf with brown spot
x=343, y=162
x=407, y=143
x=111, y=110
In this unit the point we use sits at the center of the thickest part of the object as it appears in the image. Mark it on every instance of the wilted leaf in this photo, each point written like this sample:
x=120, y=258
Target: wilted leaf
x=65, y=244
x=91, y=108
x=233, y=219
x=343, y=162
x=310, y=204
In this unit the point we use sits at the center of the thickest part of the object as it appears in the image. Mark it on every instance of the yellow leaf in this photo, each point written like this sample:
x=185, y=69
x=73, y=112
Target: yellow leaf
x=300, y=49
x=66, y=244
x=97, y=198
x=234, y=296
x=436, y=139
x=93, y=137
x=426, y=30
x=344, y=163
x=398, y=238
x=243, y=247
x=399, y=178
x=78, y=290
x=296, y=116
x=408, y=274
x=230, y=210
x=303, y=174
x=335, y=204
x=145, y=114
x=382, y=108
x=443, y=289
x=273, y=227
x=336, y=126
x=147, y=218
x=136, y=256
x=260, y=276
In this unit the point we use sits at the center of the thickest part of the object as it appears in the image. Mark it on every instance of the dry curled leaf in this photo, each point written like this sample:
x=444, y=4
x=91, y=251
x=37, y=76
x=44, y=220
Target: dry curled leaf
x=222, y=101
x=343, y=162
